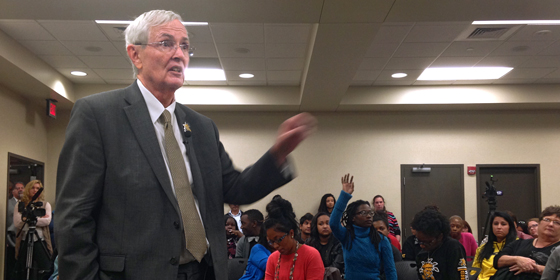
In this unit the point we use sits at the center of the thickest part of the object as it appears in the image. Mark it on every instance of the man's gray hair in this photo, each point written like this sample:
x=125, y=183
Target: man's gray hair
x=138, y=31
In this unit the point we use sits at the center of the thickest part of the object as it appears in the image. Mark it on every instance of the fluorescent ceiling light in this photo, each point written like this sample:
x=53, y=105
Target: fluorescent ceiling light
x=78, y=73
x=528, y=22
x=201, y=74
x=463, y=73
x=246, y=75
x=399, y=75
x=126, y=22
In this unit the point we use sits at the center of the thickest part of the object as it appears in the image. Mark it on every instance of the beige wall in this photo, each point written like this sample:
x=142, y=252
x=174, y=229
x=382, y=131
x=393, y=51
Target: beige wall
x=372, y=146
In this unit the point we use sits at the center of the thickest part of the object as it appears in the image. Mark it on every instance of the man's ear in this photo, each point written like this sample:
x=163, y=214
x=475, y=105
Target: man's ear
x=134, y=55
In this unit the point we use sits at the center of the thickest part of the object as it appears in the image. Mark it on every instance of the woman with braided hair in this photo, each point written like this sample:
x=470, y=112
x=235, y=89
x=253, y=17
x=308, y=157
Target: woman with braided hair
x=365, y=249
x=292, y=259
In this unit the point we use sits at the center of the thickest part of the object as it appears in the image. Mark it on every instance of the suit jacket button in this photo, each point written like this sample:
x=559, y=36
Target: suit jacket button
x=177, y=225
x=173, y=261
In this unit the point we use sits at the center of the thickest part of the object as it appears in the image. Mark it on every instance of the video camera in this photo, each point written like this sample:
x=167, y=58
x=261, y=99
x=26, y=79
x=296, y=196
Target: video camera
x=491, y=192
x=30, y=212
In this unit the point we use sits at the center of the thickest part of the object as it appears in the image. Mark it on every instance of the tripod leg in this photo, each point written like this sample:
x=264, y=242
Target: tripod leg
x=29, y=256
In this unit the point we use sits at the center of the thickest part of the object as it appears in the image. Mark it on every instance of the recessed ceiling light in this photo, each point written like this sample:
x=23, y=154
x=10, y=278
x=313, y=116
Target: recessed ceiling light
x=185, y=23
x=246, y=75
x=399, y=75
x=202, y=74
x=463, y=73
x=528, y=22
x=78, y=73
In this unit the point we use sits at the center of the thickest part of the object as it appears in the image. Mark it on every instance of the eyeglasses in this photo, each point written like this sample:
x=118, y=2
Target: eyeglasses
x=534, y=226
x=427, y=243
x=169, y=46
x=547, y=220
x=366, y=213
x=277, y=241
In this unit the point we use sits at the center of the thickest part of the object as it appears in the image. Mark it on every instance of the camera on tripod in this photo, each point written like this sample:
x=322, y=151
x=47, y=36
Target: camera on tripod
x=30, y=212
x=491, y=192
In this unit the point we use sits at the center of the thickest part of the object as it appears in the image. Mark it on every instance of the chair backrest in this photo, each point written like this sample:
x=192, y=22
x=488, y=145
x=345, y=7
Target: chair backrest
x=473, y=272
x=406, y=270
x=236, y=268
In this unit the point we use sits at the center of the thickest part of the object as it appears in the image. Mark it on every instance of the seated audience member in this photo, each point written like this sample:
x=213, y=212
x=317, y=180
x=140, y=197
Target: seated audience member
x=329, y=247
x=292, y=259
x=411, y=247
x=552, y=268
x=327, y=203
x=503, y=233
x=466, y=227
x=520, y=234
x=525, y=259
x=41, y=258
x=236, y=213
x=305, y=226
x=251, y=222
x=381, y=224
x=466, y=239
x=442, y=257
x=533, y=226
x=256, y=265
x=365, y=249
x=232, y=234
x=522, y=226
x=379, y=206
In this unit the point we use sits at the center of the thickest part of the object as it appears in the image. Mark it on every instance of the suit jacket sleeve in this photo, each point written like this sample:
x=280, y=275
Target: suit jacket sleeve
x=80, y=178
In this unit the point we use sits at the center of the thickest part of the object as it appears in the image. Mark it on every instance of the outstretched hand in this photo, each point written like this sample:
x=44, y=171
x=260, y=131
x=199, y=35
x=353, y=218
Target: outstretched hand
x=290, y=133
x=347, y=183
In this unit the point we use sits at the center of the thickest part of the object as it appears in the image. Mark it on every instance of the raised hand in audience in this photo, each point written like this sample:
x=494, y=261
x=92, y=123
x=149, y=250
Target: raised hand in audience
x=347, y=183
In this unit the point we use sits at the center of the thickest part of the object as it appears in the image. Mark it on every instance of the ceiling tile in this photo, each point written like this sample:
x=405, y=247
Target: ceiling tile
x=553, y=49
x=46, y=47
x=121, y=47
x=283, y=83
x=234, y=75
x=429, y=83
x=409, y=63
x=548, y=81
x=435, y=33
x=528, y=73
x=63, y=61
x=520, y=48
x=420, y=49
x=373, y=63
x=394, y=82
x=542, y=61
x=207, y=83
x=474, y=48
x=366, y=76
x=287, y=33
x=205, y=62
x=247, y=83
x=503, y=81
x=243, y=64
x=91, y=48
x=531, y=33
x=25, y=30
x=283, y=75
x=66, y=30
x=200, y=34
x=473, y=82
x=355, y=83
x=114, y=74
x=412, y=75
x=204, y=50
x=284, y=63
x=392, y=33
x=455, y=61
x=506, y=61
x=120, y=82
x=285, y=50
x=114, y=32
x=240, y=50
x=382, y=49
x=238, y=33
x=553, y=75
x=91, y=77
x=106, y=62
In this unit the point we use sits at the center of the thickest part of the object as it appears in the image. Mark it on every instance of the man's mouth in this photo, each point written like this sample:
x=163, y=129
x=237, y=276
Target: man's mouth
x=177, y=69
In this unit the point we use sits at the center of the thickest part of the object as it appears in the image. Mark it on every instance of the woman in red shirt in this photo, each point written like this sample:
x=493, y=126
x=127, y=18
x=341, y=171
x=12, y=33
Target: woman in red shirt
x=292, y=259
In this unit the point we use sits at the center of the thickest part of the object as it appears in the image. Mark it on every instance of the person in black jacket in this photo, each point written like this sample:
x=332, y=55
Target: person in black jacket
x=321, y=238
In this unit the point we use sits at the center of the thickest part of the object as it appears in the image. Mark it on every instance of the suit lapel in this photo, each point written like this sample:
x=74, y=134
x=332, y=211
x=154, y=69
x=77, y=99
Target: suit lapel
x=141, y=123
x=197, y=186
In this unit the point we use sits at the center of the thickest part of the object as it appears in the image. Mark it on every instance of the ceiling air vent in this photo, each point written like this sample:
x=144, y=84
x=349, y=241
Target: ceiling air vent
x=488, y=33
x=484, y=33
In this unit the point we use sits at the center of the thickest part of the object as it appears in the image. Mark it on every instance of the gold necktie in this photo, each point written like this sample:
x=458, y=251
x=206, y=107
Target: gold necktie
x=194, y=231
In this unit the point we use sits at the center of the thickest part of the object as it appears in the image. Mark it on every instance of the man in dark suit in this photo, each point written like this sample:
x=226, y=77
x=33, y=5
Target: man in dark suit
x=119, y=215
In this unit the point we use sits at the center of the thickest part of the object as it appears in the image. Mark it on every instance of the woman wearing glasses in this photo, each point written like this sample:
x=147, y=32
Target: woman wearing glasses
x=442, y=257
x=525, y=259
x=292, y=259
x=365, y=249
x=503, y=233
